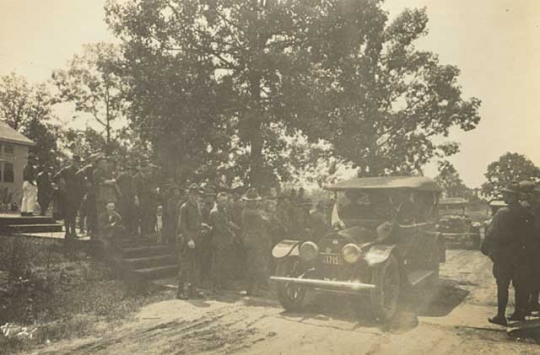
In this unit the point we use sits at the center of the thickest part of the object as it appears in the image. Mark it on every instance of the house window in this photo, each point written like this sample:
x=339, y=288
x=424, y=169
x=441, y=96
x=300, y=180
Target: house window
x=9, y=149
x=9, y=176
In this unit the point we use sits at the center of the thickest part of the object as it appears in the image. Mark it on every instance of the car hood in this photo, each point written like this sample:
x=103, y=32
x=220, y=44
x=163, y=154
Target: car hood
x=358, y=234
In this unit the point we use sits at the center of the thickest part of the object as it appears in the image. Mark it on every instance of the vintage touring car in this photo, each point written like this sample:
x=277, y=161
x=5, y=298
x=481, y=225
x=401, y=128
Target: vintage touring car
x=456, y=226
x=383, y=241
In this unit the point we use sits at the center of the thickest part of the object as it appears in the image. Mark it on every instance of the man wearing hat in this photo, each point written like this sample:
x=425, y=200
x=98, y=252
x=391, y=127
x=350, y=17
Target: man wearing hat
x=205, y=250
x=29, y=187
x=531, y=200
x=506, y=242
x=188, y=240
x=255, y=241
x=74, y=188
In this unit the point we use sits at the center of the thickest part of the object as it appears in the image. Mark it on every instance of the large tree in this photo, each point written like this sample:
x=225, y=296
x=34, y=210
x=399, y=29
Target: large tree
x=259, y=71
x=90, y=82
x=508, y=168
x=29, y=109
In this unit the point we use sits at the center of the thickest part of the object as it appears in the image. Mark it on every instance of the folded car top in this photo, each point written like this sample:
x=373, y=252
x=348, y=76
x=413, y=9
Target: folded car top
x=419, y=183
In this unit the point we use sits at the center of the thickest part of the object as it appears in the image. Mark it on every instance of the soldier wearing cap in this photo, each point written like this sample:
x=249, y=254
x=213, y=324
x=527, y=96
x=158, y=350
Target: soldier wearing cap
x=188, y=240
x=73, y=182
x=29, y=188
x=506, y=243
x=255, y=241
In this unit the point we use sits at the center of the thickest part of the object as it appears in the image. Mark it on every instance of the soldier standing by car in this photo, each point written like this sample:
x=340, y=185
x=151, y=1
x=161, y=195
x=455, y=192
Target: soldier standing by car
x=189, y=232
x=506, y=243
x=222, y=237
x=255, y=241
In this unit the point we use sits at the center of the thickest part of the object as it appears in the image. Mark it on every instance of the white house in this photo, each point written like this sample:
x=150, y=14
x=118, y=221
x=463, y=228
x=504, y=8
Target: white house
x=13, y=157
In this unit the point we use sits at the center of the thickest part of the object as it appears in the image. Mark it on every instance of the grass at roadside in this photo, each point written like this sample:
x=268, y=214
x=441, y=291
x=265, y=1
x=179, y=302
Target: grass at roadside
x=49, y=293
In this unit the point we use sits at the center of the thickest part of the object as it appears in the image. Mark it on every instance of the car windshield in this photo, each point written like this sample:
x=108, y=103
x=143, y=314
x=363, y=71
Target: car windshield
x=364, y=205
x=359, y=206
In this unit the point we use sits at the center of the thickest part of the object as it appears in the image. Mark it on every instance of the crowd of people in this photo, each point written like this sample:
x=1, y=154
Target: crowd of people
x=221, y=233
x=512, y=242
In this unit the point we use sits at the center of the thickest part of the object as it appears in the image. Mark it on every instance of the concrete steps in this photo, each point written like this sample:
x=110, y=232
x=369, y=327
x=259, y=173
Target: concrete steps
x=28, y=224
x=34, y=228
x=149, y=261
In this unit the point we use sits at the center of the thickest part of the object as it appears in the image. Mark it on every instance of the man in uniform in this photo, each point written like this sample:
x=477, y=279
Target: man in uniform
x=506, y=242
x=189, y=237
x=255, y=241
x=531, y=201
x=29, y=188
x=222, y=237
x=73, y=194
x=45, y=188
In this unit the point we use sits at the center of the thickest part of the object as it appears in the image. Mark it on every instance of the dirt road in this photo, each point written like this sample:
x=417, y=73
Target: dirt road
x=450, y=320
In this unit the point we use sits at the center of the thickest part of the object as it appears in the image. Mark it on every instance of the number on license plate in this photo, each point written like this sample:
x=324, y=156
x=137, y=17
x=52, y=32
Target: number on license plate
x=331, y=259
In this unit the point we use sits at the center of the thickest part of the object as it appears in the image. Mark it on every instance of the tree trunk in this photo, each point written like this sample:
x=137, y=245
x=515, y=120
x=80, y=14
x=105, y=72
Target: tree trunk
x=255, y=116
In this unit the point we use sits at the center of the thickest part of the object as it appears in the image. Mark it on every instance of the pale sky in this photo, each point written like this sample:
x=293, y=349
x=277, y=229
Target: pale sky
x=495, y=43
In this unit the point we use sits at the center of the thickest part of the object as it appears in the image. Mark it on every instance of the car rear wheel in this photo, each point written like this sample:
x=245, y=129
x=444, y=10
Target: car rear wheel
x=385, y=297
x=291, y=296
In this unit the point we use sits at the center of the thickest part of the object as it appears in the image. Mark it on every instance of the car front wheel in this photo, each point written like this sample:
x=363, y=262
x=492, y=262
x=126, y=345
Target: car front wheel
x=290, y=296
x=385, y=297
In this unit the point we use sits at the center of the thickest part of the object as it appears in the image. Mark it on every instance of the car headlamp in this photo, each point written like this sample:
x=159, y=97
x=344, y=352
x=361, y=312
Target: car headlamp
x=309, y=251
x=351, y=253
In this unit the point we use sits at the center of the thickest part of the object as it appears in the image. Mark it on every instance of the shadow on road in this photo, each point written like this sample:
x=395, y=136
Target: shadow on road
x=437, y=302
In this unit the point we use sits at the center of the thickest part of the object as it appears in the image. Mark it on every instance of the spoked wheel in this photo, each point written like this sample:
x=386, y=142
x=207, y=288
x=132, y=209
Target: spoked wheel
x=290, y=296
x=385, y=297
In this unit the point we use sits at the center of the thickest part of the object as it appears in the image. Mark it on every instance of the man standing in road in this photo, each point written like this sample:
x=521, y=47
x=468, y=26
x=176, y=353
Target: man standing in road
x=29, y=188
x=222, y=237
x=189, y=233
x=255, y=241
x=506, y=243
x=531, y=200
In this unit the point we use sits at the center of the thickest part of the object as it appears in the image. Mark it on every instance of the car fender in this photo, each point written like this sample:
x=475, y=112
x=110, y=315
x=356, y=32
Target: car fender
x=378, y=254
x=286, y=248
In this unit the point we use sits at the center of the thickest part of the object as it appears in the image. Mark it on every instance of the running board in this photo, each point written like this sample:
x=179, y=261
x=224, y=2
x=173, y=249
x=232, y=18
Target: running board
x=418, y=276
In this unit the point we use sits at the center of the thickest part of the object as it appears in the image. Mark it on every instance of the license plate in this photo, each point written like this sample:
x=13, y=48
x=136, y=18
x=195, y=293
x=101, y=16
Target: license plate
x=331, y=259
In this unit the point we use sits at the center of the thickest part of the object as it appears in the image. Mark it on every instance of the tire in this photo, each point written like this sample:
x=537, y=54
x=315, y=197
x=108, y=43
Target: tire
x=385, y=297
x=291, y=297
